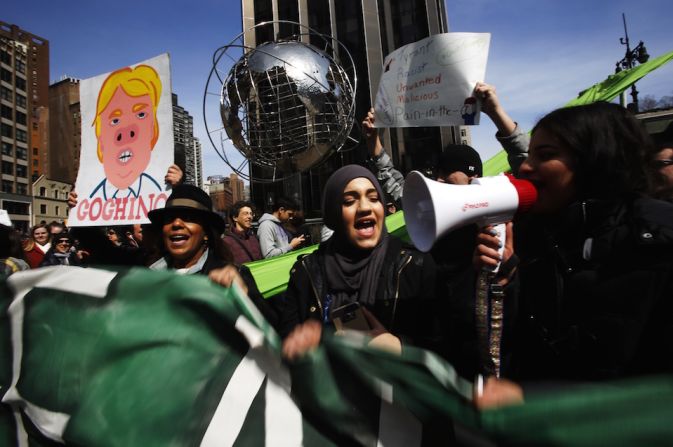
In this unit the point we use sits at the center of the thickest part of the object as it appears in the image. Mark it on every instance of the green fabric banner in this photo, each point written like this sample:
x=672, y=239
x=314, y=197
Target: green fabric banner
x=144, y=358
x=606, y=90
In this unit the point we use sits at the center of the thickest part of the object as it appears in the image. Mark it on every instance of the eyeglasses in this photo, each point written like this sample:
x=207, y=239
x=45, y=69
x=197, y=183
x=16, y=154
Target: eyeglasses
x=63, y=241
x=662, y=163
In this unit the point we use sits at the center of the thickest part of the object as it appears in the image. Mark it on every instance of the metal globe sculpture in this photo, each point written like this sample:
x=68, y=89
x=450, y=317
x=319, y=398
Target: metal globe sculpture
x=285, y=105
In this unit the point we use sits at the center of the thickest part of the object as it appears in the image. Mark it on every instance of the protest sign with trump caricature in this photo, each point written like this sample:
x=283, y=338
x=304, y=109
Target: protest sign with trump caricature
x=127, y=144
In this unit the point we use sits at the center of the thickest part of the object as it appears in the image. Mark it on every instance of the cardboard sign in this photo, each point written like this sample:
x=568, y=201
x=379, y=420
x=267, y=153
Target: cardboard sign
x=430, y=82
x=127, y=144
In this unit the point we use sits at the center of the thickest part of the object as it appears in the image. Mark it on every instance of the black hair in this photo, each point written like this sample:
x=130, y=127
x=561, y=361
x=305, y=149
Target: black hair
x=10, y=243
x=236, y=208
x=284, y=202
x=608, y=145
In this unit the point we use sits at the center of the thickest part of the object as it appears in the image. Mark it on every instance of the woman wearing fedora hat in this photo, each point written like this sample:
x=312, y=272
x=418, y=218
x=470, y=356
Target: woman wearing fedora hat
x=190, y=240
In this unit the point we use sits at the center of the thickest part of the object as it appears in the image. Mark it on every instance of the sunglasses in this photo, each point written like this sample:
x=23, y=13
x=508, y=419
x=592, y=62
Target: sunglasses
x=662, y=163
x=63, y=241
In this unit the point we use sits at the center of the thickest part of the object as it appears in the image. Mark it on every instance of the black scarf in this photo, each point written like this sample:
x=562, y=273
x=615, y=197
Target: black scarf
x=352, y=274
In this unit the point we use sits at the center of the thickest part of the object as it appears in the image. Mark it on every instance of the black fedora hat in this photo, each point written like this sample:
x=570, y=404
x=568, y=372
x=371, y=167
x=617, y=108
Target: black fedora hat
x=190, y=200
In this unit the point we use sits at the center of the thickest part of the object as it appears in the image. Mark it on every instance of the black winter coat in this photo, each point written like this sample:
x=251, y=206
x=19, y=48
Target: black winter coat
x=51, y=259
x=599, y=309
x=405, y=302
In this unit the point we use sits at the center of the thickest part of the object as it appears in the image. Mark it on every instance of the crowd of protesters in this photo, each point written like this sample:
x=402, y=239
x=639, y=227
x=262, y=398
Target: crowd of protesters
x=586, y=276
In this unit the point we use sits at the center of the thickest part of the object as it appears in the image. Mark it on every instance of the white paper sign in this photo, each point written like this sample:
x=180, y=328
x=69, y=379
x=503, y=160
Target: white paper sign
x=430, y=82
x=127, y=144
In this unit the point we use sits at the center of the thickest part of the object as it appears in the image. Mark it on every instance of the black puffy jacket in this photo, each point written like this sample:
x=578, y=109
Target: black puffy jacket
x=405, y=302
x=595, y=295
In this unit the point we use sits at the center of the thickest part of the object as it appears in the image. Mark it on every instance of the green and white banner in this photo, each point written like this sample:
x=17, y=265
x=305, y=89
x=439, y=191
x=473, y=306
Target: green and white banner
x=138, y=357
x=143, y=358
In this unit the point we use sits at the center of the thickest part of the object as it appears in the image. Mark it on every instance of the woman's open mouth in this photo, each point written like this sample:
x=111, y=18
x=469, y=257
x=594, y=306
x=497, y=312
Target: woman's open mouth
x=178, y=240
x=365, y=228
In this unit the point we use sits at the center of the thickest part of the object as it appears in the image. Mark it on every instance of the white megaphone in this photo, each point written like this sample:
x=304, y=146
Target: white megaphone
x=433, y=208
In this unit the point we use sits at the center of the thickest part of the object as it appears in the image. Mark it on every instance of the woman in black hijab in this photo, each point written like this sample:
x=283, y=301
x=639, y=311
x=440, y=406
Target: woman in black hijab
x=362, y=263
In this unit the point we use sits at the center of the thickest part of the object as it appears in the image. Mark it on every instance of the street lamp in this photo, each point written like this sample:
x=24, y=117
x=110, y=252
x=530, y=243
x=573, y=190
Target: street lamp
x=637, y=55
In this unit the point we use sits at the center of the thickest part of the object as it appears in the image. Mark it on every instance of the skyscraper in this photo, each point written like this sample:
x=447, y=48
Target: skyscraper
x=193, y=163
x=187, y=148
x=369, y=29
x=24, y=104
x=65, y=131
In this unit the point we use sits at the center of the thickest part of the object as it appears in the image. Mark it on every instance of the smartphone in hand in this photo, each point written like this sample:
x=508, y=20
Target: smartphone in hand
x=350, y=316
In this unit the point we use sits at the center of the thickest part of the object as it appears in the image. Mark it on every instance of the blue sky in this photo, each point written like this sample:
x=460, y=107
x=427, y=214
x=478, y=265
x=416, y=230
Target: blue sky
x=543, y=52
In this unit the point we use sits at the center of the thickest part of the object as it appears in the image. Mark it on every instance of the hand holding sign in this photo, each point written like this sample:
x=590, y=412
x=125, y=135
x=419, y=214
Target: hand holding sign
x=431, y=82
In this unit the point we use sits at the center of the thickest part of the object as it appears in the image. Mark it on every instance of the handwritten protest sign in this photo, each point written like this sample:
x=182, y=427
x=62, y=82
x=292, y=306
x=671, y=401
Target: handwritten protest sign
x=127, y=144
x=430, y=82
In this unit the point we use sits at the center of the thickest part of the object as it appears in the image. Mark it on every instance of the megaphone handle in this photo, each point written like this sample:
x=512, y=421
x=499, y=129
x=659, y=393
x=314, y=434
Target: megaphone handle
x=500, y=230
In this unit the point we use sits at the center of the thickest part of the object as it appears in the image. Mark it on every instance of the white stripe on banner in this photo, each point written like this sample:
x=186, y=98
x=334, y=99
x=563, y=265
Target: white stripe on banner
x=50, y=423
x=253, y=335
x=21, y=435
x=90, y=282
x=82, y=281
x=282, y=418
x=236, y=400
x=397, y=426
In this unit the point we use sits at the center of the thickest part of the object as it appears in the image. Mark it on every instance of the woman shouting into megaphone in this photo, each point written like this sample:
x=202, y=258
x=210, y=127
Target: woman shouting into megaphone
x=591, y=294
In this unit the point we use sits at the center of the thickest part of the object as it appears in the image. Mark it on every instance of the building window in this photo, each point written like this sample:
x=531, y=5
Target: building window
x=263, y=13
x=6, y=112
x=35, y=162
x=7, y=149
x=21, y=118
x=22, y=153
x=20, y=101
x=319, y=20
x=56, y=194
x=20, y=66
x=43, y=191
x=6, y=75
x=5, y=57
x=288, y=10
x=20, y=83
x=57, y=211
x=16, y=207
x=8, y=167
x=5, y=93
x=6, y=130
x=21, y=188
x=21, y=171
x=21, y=136
x=7, y=186
x=35, y=151
x=43, y=209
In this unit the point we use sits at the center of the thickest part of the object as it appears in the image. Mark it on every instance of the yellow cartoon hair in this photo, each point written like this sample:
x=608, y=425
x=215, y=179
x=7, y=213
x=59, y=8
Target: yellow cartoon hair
x=138, y=81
